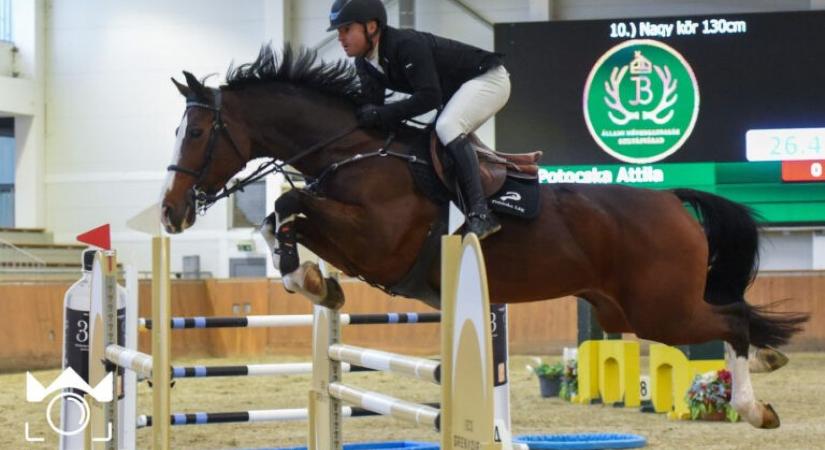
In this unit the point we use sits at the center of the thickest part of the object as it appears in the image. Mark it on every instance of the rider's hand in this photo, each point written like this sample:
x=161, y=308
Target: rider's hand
x=369, y=116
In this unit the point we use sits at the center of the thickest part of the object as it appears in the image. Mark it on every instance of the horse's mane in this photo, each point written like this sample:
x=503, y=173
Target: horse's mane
x=299, y=67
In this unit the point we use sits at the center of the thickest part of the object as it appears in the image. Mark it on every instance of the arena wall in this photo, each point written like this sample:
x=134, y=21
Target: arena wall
x=32, y=313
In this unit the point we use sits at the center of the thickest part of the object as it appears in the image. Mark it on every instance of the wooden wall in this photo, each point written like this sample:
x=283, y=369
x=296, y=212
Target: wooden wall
x=32, y=315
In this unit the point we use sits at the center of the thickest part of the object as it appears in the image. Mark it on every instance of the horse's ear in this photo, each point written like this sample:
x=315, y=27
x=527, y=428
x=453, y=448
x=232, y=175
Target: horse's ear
x=195, y=85
x=183, y=89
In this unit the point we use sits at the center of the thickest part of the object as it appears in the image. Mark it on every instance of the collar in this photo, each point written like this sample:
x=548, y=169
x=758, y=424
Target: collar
x=373, y=58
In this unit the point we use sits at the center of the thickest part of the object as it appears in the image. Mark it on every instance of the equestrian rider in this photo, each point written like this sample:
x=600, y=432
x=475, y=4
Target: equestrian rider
x=470, y=83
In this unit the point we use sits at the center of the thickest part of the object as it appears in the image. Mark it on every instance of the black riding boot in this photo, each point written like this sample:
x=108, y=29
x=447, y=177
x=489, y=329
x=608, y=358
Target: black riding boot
x=480, y=220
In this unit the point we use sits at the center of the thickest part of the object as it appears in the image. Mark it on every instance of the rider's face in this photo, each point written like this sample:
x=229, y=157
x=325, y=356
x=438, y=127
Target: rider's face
x=353, y=39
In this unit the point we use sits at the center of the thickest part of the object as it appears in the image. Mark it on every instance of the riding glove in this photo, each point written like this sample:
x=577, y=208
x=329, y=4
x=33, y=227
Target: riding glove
x=369, y=116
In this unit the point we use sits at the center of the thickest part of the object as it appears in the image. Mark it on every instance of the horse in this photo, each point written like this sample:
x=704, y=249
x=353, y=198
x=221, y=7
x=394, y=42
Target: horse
x=670, y=266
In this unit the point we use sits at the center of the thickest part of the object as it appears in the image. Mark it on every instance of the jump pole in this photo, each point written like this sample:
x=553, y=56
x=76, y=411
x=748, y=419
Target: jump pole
x=466, y=418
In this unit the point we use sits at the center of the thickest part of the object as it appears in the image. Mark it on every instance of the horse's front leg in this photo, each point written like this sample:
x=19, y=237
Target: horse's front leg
x=280, y=232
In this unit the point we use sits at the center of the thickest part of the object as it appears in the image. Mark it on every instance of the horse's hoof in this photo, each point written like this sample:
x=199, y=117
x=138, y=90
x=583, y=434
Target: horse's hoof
x=335, y=295
x=770, y=419
x=767, y=360
x=314, y=280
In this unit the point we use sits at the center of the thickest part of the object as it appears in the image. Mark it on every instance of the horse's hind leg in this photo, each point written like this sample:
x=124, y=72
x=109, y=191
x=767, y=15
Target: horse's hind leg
x=610, y=316
x=757, y=413
x=678, y=320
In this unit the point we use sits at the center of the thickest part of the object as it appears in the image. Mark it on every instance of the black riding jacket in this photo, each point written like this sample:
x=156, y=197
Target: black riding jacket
x=430, y=68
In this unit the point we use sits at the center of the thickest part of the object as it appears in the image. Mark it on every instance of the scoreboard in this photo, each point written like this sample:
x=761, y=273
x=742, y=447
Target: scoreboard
x=731, y=104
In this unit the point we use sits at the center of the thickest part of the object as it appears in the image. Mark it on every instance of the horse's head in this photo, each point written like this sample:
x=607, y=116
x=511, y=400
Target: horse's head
x=295, y=109
x=211, y=147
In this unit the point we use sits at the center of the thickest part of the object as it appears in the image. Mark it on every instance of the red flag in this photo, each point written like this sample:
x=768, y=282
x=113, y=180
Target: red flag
x=99, y=237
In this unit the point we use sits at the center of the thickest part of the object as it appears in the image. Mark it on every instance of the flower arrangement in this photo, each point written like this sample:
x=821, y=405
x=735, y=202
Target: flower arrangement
x=709, y=397
x=569, y=379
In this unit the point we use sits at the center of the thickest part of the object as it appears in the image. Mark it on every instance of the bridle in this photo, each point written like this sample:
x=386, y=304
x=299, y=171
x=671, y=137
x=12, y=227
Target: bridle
x=218, y=127
x=204, y=200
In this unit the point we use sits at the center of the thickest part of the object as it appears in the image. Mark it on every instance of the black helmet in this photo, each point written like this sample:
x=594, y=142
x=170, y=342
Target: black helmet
x=345, y=12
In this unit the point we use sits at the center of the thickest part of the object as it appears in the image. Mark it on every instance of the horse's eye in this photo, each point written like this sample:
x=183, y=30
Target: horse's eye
x=177, y=130
x=195, y=133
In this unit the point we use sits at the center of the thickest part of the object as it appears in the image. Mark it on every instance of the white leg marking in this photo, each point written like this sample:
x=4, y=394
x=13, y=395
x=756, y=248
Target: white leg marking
x=742, y=398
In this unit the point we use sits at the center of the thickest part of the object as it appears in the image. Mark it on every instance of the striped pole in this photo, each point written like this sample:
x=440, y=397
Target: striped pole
x=390, y=318
x=250, y=370
x=293, y=320
x=385, y=405
x=141, y=364
x=270, y=415
x=241, y=371
x=204, y=418
x=410, y=366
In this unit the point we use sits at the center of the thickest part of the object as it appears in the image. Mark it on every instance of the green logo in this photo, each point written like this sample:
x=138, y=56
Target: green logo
x=641, y=101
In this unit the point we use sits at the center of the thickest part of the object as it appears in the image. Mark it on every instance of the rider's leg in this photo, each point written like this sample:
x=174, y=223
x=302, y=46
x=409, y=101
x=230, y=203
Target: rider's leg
x=480, y=220
x=473, y=104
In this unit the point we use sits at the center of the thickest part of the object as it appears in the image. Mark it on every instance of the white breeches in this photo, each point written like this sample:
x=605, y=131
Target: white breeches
x=475, y=101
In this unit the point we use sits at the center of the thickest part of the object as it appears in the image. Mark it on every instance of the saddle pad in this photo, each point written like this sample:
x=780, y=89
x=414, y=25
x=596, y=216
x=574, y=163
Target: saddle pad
x=518, y=198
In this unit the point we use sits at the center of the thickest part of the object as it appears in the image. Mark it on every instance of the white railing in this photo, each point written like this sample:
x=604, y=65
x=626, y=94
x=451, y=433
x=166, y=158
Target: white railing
x=14, y=257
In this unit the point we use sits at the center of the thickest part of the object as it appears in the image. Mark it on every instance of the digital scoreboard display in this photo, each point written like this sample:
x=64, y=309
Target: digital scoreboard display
x=732, y=104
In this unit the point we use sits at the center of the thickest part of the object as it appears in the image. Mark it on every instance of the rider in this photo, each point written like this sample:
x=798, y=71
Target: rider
x=470, y=83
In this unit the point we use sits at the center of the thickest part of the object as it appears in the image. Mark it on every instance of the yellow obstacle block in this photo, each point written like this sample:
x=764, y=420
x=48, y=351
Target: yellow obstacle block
x=671, y=374
x=588, y=372
x=619, y=372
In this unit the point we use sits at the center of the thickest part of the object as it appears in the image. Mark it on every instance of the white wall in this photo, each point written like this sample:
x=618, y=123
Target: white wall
x=112, y=109
x=99, y=151
x=23, y=98
x=787, y=250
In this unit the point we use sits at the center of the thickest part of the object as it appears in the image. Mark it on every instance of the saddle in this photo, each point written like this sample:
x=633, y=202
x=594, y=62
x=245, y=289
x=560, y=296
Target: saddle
x=494, y=167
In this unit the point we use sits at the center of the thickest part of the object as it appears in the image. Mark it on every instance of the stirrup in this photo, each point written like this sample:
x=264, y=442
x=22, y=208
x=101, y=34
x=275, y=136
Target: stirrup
x=485, y=224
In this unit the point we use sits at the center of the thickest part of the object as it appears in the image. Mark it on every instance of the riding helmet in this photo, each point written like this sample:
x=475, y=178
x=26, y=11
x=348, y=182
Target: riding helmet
x=345, y=12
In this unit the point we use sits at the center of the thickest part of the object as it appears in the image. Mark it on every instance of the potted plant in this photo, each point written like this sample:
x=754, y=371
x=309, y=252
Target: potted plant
x=709, y=397
x=549, y=376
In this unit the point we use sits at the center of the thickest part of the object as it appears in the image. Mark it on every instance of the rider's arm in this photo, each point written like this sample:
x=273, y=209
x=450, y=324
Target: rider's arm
x=416, y=58
x=372, y=91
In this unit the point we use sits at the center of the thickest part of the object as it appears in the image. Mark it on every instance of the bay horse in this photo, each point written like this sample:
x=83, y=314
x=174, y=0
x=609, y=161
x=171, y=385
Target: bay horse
x=639, y=256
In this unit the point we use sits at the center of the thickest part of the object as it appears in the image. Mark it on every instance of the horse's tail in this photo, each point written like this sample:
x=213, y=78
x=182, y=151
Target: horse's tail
x=733, y=244
x=733, y=252
x=770, y=328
